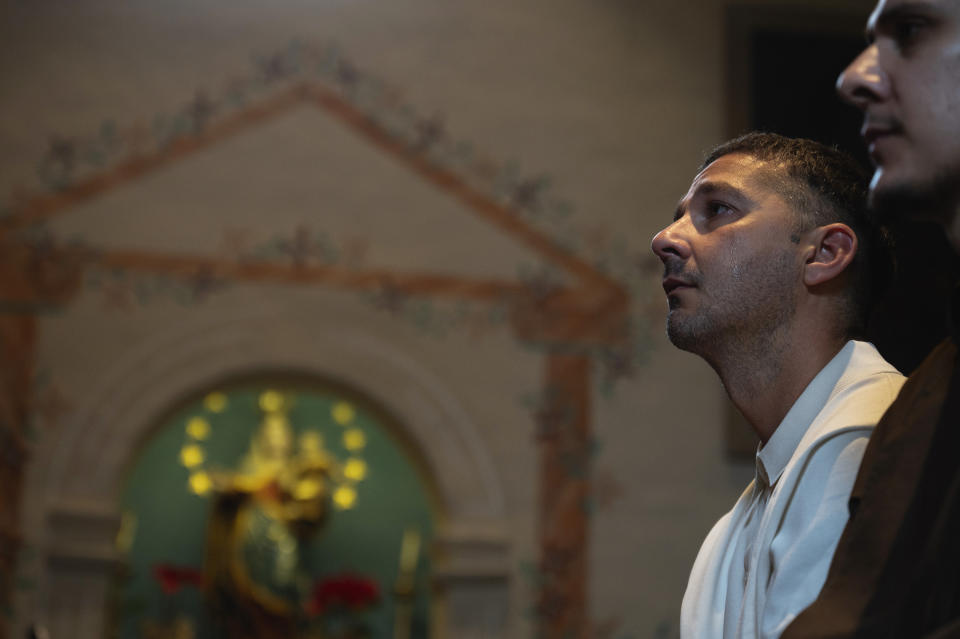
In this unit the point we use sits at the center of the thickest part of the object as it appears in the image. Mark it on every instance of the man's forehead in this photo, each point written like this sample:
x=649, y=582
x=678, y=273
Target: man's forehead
x=740, y=170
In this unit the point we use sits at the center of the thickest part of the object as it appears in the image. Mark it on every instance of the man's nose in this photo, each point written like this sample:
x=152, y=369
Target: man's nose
x=670, y=242
x=864, y=81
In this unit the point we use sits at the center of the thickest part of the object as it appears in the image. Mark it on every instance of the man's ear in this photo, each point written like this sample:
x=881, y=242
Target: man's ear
x=832, y=249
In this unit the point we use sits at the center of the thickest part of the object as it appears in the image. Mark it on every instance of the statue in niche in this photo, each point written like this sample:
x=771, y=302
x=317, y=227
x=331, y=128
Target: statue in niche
x=261, y=516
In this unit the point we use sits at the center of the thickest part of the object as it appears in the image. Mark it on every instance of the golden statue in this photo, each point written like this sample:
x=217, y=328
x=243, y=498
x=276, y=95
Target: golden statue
x=261, y=516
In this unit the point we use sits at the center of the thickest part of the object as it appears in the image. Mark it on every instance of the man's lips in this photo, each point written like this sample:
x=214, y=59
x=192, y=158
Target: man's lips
x=871, y=131
x=671, y=284
x=870, y=136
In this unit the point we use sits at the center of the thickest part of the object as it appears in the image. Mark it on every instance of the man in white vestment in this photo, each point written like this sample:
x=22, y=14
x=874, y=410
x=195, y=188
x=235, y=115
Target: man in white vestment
x=770, y=268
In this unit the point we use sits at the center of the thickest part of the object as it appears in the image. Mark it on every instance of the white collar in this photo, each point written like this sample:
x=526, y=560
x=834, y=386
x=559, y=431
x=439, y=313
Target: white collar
x=773, y=456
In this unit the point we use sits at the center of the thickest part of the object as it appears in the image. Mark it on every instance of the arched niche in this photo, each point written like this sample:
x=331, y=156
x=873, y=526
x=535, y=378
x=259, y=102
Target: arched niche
x=277, y=489
x=73, y=485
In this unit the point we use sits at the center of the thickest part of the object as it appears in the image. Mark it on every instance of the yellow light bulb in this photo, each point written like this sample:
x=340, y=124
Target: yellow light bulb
x=345, y=497
x=271, y=401
x=198, y=428
x=343, y=413
x=200, y=483
x=191, y=455
x=355, y=469
x=215, y=402
x=354, y=439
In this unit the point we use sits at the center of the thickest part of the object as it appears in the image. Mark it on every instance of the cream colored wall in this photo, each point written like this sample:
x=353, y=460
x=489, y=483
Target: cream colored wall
x=614, y=100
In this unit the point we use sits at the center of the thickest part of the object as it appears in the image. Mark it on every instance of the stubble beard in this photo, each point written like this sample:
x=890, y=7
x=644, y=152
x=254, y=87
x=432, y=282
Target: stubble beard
x=936, y=199
x=744, y=318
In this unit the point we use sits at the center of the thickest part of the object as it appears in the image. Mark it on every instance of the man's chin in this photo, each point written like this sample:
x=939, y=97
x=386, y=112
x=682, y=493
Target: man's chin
x=681, y=336
x=894, y=199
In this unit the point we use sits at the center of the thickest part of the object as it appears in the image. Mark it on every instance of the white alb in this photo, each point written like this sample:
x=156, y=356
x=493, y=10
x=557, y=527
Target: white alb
x=767, y=559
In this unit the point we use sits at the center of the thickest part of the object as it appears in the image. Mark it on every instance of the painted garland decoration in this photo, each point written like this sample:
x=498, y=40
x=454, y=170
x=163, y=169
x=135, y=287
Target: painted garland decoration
x=69, y=160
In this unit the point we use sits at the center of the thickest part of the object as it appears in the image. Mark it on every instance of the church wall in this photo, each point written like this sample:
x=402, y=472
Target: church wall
x=613, y=103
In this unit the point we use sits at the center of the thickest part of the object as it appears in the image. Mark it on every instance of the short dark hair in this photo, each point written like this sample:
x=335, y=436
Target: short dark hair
x=824, y=185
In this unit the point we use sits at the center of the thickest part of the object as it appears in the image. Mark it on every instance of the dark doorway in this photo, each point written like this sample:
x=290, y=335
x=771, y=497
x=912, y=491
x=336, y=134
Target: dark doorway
x=794, y=75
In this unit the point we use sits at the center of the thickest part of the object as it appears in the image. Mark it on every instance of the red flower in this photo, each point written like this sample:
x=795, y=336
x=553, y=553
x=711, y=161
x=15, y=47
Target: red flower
x=172, y=578
x=345, y=590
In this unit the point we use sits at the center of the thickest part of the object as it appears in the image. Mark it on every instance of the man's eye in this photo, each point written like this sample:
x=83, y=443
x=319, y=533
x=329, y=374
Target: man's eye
x=907, y=31
x=718, y=208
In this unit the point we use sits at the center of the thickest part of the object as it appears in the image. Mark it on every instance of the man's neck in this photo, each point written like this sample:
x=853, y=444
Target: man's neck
x=765, y=379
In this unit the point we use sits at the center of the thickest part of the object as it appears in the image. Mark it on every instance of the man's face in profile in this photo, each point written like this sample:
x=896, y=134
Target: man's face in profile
x=907, y=83
x=730, y=267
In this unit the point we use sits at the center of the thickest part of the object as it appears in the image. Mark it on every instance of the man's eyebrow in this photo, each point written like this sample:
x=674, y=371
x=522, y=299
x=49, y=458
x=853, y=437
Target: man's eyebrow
x=707, y=188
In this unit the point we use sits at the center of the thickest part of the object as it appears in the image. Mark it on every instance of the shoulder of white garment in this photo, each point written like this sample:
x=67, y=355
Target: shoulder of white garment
x=836, y=410
x=805, y=520
x=854, y=382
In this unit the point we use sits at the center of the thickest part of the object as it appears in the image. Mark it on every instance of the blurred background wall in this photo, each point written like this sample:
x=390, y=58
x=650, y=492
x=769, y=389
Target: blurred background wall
x=442, y=209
